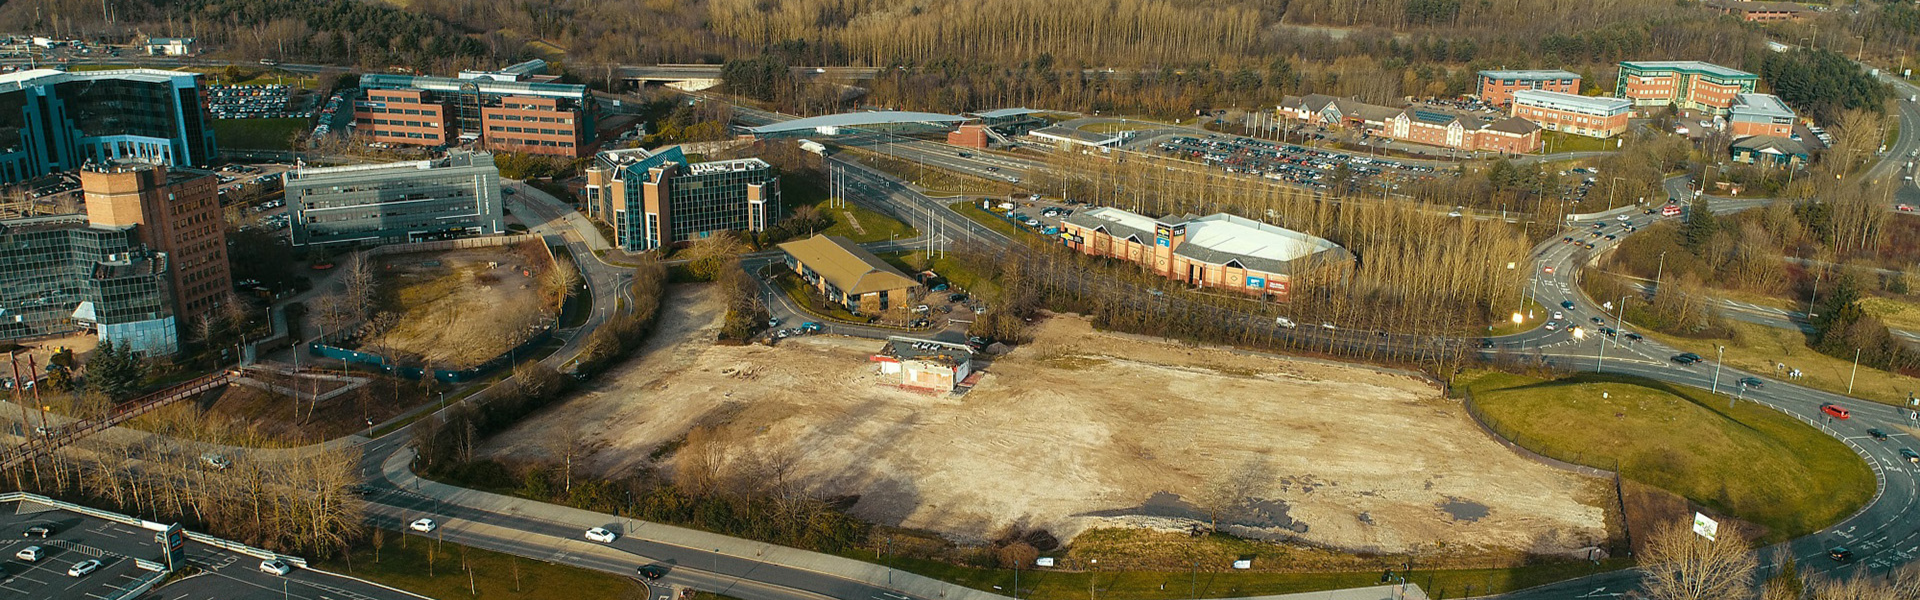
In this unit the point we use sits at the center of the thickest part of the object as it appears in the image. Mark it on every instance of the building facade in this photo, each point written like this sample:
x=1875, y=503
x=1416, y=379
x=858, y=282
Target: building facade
x=511, y=116
x=1760, y=12
x=53, y=121
x=1760, y=114
x=172, y=211
x=455, y=196
x=170, y=46
x=1686, y=84
x=60, y=275
x=659, y=200
x=930, y=365
x=1217, y=251
x=1497, y=87
x=849, y=275
x=1769, y=151
x=1415, y=124
x=1579, y=115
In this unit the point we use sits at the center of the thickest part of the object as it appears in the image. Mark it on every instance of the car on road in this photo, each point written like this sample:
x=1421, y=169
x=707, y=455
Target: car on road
x=1835, y=411
x=1635, y=337
x=424, y=525
x=809, y=327
x=773, y=322
x=600, y=534
x=1598, y=321
x=1558, y=315
x=1752, y=382
x=1621, y=217
x=1877, y=434
x=1686, y=358
x=1284, y=322
x=653, y=571
x=1552, y=326
x=274, y=566
x=30, y=554
x=82, y=568
x=1907, y=453
x=39, y=531
x=1840, y=554
x=1566, y=304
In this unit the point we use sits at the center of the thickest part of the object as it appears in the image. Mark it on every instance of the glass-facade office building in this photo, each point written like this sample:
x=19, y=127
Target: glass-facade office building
x=61, y=275
x=53, y=121
x=656, y=201
x=425, y=200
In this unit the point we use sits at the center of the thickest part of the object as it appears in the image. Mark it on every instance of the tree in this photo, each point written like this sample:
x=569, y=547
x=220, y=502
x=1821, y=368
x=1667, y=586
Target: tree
x=1017, y=555
x=1700, y=224
x=115, y=371
x=712, y=254
x=1681, y=565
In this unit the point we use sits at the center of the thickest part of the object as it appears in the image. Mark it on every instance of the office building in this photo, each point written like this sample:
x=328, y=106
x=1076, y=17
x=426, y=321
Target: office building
x=1590, y=116
x=1761, y=12
x=1687, y=84
x=1760, y=114
x=169, y=46
x=849, y=275
x=1769, y=151
x=502, y=115
x=1497, y=87
x=1416, y=124
x=53, y=121
x=1217, y=251
x=172, y=211
x=659, y=200
x=61, y=275
x=422, y=200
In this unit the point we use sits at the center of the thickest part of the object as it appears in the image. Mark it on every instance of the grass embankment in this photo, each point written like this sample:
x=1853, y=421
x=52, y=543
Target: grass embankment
x=850, y=220
x=404, y=563
x=947, y=266
x=1898, y=314
x=1757, y=348
x=1540, y=314
x=1554, y=142
x=1175, y=584
x=258, y=134
x=992, y=221
x=933, y=179
x=808, y=299
x=1748, y=461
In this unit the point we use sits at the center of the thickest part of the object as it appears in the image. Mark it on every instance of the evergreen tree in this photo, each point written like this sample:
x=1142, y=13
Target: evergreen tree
x=115, y=371
x=1700, y=225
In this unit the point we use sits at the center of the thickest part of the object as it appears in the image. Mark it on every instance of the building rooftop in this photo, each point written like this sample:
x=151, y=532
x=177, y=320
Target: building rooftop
x=389, y=81
x=718, y=166
x=1688, y=65
x=1117, y=223
x=846, y=265
x=856, y=119
x=454, y=158
x=1001, y=113
x=1770, y=144
x=1075, y=135
x=1531, y=74
x=1514, y=125
x=1222, y=237
x=1565, y=101
x=35, y=77
x=1767, y=105
x=944, y=353
x=168, y=40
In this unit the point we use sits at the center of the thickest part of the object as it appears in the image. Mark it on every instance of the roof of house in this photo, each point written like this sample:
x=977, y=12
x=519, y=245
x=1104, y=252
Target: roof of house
x=1515, y=125
x=1687, y=65
x=846, y=265
x=1770, y=144
x=1563, y=101
x=1531, y=74
x=161, y=41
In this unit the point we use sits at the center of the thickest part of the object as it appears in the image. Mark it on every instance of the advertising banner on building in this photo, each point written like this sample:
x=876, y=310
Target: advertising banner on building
x=1180, y=230
x=1256, y=282
x=1276, y=285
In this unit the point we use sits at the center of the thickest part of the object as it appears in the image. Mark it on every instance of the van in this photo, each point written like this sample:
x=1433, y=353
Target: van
x=1835, y=411
x=1284, y=322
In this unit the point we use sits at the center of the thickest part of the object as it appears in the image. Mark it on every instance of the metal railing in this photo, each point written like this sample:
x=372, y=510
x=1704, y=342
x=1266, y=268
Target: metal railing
x=54, y=439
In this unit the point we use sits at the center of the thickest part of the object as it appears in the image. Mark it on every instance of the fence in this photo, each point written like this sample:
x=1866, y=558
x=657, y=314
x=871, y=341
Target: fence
x=454, y=244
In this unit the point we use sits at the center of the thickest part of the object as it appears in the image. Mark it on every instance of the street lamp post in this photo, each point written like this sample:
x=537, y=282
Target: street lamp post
x=1662, y=271
x=1719, y=354
x=1856, y=370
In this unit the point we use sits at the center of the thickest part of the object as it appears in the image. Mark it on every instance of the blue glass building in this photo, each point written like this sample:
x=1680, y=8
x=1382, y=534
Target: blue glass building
x=53, y=121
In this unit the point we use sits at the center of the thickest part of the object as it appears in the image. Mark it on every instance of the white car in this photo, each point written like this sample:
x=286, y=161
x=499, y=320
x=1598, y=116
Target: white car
x=1284, y=322
x=1557, y=315
x=82, y=568
x=1621, y=217
x=30, y=554
x=275, y=567
x=423, y=525
x=602, y=535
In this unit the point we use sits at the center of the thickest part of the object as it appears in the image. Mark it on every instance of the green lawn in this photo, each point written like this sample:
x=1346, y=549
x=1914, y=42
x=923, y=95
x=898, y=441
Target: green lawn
x=1171, y=585
x=950, y=268
x=1508, y=327
x=973, y=211
x=258, y=134
x=1757, y=348
x=403, y=563
x=807, y=299
x=1556, y=142
x=874, y=227
x=1748, y=461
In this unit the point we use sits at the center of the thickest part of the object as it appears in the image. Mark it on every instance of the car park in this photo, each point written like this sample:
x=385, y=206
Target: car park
x=602, y=535
x=82, y=568
x=275, y=566
x=423, y=525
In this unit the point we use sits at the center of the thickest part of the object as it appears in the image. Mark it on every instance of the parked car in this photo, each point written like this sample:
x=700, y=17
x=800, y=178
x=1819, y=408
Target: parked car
x=424, y=525
x=275, y=566
x=600, y=534
x=39, y=531
x=31, y=554
x=82, y=568
x=1835, y=411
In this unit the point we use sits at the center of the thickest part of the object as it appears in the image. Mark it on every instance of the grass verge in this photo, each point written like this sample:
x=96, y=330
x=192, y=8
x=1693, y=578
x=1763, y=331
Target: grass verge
x=257, y=134
x=1747, y=461
x=873, y=226
x=1112, y=127
x=992, y=221
x=950, y=268
x=1539, y=314
x=441, y=570
x=1555, y=142
x=806, y=298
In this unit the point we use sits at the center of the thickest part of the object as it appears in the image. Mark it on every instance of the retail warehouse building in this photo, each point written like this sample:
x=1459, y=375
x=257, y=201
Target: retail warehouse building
x=1216, y=251
x=415, y=201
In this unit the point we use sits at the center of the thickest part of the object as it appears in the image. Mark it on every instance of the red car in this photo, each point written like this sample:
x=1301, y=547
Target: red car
x=1834, y=411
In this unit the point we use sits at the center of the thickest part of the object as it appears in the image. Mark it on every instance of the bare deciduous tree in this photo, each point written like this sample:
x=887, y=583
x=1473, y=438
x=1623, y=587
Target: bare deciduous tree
x=1681, y=565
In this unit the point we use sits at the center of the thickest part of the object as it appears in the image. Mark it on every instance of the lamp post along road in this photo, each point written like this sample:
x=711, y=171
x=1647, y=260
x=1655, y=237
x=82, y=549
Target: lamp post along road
x=1719, y=357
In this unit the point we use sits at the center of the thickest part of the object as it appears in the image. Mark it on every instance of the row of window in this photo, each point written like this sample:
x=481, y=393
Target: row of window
x=399, y=123
x=530, y=118
x=529, y=130
x=519, y=142
x=404, y=111
x=409, y=135
x=402, y=99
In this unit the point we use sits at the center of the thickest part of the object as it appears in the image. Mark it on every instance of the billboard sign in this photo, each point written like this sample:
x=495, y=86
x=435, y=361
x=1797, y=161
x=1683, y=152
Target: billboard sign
x=1256, y=282
x=1277, y=285
x=1707, y=528
x=1180, y=230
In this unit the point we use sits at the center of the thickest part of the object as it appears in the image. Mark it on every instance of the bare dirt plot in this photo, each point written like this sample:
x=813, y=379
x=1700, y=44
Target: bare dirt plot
x=459, y=308
x=1084, y=429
